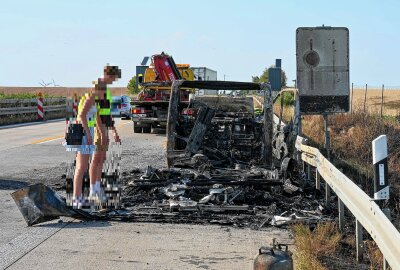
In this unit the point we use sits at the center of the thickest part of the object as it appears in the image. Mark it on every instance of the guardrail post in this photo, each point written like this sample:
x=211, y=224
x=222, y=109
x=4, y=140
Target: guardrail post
x=308, y=173
x=317, y=180
x=386, y=265
x=327, y=194
x=341, y=214
x=359, y=241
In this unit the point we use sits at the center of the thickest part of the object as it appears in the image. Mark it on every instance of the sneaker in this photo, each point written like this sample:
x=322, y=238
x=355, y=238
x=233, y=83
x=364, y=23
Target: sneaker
x=97, y=196
x=77, y=203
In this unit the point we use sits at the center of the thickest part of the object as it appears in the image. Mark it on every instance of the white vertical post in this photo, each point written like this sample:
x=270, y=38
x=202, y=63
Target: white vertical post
x=380, y=161
x=40, y=107
x=381, y=183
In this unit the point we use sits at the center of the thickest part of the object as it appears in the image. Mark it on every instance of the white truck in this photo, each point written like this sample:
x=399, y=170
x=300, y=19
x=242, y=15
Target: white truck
x=205, y=74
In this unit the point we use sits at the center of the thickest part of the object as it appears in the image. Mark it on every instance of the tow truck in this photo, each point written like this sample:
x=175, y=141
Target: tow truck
x=150, y=108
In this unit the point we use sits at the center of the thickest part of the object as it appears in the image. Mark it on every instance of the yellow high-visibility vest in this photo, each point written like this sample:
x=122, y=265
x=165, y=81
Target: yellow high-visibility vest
x=92, y=120
x=107, y=111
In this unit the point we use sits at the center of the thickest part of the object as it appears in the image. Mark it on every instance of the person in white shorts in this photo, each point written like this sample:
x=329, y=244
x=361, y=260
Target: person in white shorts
x=94, y=130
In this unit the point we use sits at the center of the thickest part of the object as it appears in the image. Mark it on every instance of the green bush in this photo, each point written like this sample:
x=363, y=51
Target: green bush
x=288, y=98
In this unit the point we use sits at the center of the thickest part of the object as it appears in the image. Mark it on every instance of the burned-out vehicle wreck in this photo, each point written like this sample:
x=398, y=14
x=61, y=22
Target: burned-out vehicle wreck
x=225, y=165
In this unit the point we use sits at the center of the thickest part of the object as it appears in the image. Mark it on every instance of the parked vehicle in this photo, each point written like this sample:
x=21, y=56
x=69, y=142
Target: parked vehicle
x=121, y=107
x=205, y=74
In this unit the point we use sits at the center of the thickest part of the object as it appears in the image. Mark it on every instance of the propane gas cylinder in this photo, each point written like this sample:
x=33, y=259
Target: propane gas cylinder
x=273, y=259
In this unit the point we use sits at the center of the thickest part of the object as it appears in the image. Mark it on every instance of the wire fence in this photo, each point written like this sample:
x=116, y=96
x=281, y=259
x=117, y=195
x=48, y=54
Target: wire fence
x=387, y=87
x=382, y=100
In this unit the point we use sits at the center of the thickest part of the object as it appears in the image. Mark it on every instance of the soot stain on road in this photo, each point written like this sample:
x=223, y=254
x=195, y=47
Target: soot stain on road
x=12, y=184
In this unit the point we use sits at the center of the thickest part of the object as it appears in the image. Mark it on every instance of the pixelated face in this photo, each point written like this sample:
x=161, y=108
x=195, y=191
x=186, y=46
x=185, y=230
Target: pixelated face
x=111, y=73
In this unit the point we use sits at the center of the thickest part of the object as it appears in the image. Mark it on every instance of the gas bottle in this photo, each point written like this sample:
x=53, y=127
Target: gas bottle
x=273, y=258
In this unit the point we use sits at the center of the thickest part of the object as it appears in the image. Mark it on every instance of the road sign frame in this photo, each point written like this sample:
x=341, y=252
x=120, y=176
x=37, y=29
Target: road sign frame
x=322, y=56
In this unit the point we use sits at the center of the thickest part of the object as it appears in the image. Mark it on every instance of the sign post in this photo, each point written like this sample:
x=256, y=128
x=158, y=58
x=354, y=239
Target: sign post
x=322, y=57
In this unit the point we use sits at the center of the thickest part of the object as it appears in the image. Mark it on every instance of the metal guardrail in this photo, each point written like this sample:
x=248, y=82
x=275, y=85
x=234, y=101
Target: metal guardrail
x=18, y=101
x=365, y=210
x=27, y=106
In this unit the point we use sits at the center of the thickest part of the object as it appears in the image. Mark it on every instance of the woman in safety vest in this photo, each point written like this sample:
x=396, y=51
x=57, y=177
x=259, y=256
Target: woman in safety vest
x=95, y=117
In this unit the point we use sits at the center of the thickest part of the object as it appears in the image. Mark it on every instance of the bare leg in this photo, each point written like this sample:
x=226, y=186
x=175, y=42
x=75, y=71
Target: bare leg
x=96, y=166
x=82, y=161
x=102, y=158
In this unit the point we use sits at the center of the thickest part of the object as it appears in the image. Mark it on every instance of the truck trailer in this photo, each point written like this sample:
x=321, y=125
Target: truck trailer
x=205, y=74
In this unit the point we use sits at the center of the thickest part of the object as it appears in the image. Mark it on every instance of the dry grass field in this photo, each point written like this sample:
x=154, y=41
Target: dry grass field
x=58, y=91
x=391, y=101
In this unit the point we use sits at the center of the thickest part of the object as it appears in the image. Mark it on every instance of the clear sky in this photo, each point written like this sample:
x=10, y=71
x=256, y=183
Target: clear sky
x=70, y=41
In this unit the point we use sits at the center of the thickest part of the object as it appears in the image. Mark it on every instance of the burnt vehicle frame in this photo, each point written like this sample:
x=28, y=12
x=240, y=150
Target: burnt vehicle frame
x=274, y=139
x=178, y=129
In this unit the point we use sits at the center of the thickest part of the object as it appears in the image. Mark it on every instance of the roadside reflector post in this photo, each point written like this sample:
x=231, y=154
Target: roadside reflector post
x=381, y=183
x=40, y=107
x=380, y=161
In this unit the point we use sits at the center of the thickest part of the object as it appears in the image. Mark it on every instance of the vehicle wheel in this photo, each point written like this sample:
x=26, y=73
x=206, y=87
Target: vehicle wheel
x=137, y=129
x=147, y=129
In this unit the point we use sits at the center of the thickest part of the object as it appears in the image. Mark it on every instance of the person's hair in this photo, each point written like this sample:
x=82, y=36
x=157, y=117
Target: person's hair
x=112, y=71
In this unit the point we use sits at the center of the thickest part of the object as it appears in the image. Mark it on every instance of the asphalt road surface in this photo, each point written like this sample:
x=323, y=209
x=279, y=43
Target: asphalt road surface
x=33, y=153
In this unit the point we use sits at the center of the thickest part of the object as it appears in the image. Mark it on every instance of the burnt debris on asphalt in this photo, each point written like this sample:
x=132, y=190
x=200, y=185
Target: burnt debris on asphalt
x=225, y=166
x=244, y=198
